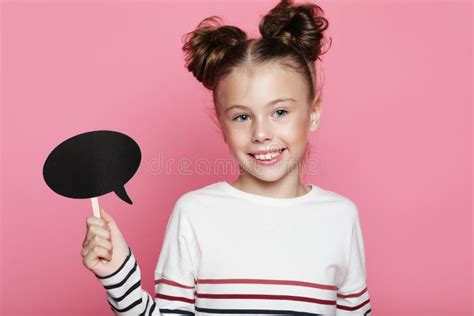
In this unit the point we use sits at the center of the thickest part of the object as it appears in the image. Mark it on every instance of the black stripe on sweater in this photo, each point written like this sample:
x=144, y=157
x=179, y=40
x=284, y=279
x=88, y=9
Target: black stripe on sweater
x=175, y=311
x=113, y=286
x=146, y=306
x=120, y=268
x=118, y=299
x=252, y=311
x=137, y=302
x=152, y=308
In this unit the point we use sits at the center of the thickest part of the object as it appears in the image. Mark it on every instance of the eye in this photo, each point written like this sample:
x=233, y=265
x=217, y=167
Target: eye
x=238, y=116
x=280, y=111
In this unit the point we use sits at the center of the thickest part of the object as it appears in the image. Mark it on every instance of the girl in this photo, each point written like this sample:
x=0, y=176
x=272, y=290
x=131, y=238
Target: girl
x=266, y=243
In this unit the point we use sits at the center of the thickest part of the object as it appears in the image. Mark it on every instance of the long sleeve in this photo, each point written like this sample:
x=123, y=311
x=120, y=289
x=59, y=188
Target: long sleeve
x=176, y=270
x=125, y=294
x=174, y=277
x=352, y=294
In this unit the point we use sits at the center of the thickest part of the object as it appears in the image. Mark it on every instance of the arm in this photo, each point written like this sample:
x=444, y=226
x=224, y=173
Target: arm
x=174, y=276
x=352, y=294
x=124, y=292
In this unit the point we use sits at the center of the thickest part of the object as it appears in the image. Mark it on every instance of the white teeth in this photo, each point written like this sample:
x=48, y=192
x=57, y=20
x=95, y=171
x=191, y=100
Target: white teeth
x=268, y=156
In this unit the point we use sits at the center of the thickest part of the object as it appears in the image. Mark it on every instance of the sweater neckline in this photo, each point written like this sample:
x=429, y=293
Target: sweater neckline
x=269, y=200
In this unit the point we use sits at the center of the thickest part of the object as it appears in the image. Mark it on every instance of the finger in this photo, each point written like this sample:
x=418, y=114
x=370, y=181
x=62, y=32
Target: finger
x=107, y=217
x=92, y=220
x=104, y=243
x=97, y=241
x=94, y=231
x=94, y=254
x=97, y=231
x=101, y=252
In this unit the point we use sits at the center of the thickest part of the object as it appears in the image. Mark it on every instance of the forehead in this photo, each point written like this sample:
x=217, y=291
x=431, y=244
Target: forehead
x=258, y=85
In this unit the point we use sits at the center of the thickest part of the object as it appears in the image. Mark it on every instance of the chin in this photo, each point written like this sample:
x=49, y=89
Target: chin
x=269, y=178
x=266, y=175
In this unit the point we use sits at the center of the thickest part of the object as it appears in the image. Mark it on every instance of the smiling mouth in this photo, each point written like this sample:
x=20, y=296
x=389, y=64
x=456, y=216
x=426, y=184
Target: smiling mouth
x=268, y=156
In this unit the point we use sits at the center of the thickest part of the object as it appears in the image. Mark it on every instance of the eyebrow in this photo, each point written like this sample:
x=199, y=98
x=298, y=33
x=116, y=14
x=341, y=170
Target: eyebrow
x=268, y=104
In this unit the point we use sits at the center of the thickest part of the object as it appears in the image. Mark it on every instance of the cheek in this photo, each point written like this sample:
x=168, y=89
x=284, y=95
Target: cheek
x=294, y=132
x=236, y=138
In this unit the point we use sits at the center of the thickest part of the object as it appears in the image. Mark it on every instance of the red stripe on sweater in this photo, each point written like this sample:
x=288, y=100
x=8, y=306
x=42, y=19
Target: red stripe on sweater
x=173, y=283
x=266, y=297
x=267, y=281
x=352, y=308
x=353, y=294
x=175, y=298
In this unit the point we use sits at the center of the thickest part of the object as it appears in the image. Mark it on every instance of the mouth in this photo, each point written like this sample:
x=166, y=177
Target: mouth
x=268, y=158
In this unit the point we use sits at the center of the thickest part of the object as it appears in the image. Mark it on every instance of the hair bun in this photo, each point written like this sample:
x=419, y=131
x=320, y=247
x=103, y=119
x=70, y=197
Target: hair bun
x=208, y=45
x=299, y=26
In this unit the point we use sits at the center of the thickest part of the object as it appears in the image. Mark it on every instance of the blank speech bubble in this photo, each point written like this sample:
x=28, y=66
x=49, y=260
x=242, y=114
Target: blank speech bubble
x=92, y=164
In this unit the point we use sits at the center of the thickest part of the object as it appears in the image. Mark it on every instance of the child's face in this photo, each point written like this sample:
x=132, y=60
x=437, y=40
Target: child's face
x=260, y=124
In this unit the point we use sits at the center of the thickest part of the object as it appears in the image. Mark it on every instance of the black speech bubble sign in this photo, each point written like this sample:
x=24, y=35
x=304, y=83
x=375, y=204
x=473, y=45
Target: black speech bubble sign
x=92, y=164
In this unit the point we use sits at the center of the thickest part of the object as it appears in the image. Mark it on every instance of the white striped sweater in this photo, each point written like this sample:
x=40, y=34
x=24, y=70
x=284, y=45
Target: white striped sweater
x=226, y=251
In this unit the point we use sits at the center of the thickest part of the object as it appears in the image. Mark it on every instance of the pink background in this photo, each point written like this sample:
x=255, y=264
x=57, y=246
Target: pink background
x=395, y=137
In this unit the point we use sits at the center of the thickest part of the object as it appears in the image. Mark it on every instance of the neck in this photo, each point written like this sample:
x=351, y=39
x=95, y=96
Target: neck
x=289, y=186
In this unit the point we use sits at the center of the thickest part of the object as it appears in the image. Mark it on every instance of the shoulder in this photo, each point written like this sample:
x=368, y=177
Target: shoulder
x=343, y=206
x=180, y=219
x=191, y=200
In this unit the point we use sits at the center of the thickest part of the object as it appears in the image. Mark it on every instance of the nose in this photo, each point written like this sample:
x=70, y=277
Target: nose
x=261, y=131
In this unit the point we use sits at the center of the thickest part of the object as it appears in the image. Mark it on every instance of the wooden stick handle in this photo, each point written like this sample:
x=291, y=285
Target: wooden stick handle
x=96, y=211
x=95, y=206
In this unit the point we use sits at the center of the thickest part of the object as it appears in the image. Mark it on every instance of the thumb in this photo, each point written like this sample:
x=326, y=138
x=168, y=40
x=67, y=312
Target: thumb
x=106, y=216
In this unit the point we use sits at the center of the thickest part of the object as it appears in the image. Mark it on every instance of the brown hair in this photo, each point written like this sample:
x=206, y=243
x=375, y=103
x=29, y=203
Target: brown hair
x=291, y=35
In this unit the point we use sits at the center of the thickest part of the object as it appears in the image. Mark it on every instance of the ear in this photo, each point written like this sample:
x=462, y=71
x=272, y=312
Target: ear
x=315, y=114
x=223, y=134
x=219, y=124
